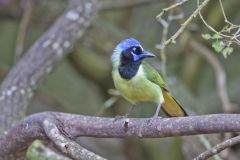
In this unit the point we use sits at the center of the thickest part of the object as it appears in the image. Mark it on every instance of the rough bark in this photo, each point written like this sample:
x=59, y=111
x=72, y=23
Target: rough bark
x=72, y=126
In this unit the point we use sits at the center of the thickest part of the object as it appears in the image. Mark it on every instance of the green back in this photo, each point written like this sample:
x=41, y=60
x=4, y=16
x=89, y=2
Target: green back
x=170, y=106
x=153, y=76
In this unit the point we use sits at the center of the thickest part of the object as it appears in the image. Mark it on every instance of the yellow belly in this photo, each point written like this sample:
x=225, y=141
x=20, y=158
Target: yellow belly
x=138, y=89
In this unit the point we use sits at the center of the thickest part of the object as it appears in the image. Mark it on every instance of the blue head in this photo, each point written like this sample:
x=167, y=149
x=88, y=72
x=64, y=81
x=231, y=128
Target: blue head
x=129, y=51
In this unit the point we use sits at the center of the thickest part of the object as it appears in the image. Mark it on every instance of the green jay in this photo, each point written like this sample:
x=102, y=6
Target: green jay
x=138, y=82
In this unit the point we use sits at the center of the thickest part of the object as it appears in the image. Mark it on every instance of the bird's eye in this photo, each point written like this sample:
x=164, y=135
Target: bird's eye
x=137, y=50
x=134, y=49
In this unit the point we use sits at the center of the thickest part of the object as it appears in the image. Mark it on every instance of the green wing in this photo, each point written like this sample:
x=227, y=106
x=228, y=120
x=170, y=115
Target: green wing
x=153, y=76
x=170, y=106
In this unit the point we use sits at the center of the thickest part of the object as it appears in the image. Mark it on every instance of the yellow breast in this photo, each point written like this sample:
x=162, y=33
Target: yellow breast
x=137, y=89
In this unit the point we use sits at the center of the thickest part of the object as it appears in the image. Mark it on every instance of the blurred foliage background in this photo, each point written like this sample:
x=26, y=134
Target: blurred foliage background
x=81, y=81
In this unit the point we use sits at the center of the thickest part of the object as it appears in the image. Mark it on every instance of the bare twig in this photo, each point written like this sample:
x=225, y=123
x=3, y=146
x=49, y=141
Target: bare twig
x=19, y=137
x=224, y=15
x=18, y=87
x=159, y=16
x=163, y=57
x=23, y=29
x=173, y=38
x=233, y=37
x=166, y=23
x=203, y=139
x=218, y=148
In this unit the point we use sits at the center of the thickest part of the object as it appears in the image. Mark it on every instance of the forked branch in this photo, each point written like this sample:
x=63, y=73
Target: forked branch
x=72, y=126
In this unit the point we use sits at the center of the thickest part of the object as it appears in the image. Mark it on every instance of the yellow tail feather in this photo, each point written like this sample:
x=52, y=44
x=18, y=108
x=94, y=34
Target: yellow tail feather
x=171, y=107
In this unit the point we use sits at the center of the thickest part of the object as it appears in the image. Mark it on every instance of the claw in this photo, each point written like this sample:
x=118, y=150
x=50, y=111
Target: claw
x=118, y=117
x=156, y=114
x=150, y=120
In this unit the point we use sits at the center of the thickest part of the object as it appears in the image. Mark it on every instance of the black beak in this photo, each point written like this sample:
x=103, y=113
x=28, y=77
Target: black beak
x=147, y=54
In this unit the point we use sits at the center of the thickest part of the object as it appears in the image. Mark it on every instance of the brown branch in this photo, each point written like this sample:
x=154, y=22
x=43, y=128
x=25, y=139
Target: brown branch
x=218, y=148
x=17, y=139
x=18, y=87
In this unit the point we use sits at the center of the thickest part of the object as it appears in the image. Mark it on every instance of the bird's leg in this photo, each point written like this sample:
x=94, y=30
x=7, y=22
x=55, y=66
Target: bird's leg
x=126, y=115
x=129, y=111
x=156, y=113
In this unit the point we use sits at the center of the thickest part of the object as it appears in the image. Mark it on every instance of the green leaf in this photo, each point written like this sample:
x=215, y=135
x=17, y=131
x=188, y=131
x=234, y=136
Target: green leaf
x=217, y=46
x=216, y=36
x=206, y=36
x=227, y=51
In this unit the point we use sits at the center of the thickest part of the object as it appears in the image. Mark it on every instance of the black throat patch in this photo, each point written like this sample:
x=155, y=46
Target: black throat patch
x=129, y=70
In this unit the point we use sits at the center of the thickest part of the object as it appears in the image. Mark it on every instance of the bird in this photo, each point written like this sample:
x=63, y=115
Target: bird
x=137, y=81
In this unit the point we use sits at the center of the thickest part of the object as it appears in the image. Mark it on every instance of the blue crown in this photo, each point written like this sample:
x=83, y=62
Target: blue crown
x=127, y=43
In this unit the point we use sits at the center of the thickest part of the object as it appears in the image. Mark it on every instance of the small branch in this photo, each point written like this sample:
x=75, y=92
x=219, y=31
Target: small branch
x=67, y=146
x=166, y=23
x=233, y=37
x=159, y=16
x=203, y=139
x=218, y=148
x=224, y=15
x=23, y=29
x=173, y=38
x=165, y=31
x=17, y=139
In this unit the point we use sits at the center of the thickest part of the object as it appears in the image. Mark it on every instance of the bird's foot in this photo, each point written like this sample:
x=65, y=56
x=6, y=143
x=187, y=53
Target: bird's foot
x=118, y=117
x=150, y=120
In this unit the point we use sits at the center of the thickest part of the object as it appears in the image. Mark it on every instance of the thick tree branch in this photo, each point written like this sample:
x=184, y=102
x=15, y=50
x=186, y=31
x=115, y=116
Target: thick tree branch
x=72, y=126
x=18, y=87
